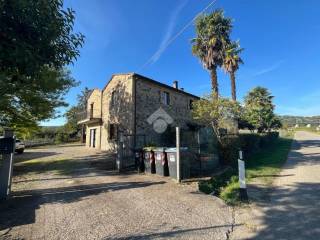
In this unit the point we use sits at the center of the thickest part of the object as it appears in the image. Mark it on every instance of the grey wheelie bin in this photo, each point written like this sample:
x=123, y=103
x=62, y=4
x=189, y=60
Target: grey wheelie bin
x=185, y=160
x=162, y=168
x=147, y=154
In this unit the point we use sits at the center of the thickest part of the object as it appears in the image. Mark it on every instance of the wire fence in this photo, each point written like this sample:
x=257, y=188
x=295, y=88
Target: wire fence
x=202, y=158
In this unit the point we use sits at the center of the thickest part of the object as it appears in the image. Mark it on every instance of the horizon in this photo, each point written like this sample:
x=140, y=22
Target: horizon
x=116, y=41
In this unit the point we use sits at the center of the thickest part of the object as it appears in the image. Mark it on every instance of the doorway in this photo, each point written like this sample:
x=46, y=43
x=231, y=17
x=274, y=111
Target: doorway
x=92, y=138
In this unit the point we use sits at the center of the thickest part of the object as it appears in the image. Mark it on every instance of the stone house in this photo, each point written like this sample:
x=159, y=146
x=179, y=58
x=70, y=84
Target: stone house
x=124, y=106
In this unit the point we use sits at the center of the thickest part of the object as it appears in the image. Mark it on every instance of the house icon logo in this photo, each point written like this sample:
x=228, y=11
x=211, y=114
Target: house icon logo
x=160, y=120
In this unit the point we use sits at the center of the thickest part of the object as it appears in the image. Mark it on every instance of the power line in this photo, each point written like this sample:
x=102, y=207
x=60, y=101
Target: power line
x=171, y=40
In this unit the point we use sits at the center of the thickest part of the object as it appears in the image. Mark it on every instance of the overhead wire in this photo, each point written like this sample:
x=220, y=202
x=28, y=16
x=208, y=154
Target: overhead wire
x=173, y=38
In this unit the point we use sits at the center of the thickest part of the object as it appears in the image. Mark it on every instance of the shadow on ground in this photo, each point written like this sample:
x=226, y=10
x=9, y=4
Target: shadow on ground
x=26, y=156
x=291, y=211
x=76, y=166
x=20, y=209
x=169, y=234
x=291, y=214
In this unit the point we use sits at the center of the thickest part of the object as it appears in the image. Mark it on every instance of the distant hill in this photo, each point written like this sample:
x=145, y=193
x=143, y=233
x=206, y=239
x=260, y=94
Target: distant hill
x=302, y=121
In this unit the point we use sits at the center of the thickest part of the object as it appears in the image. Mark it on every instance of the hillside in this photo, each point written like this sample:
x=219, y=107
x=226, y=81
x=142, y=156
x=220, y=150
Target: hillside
x=293, y=120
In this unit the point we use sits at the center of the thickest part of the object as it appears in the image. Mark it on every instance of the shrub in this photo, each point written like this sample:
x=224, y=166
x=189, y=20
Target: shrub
x=61, y=137
x=228, y=148
x=216, y=183
x=230, y=193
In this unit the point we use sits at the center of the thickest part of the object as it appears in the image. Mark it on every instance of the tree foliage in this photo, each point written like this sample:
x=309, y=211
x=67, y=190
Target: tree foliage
x=71, y=127
x=215, y=111
x=259, y=110
x=36, y=42
x=231, y=63
x=213, y=36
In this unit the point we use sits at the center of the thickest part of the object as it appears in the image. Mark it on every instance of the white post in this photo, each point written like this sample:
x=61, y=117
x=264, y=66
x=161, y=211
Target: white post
x=178, y=153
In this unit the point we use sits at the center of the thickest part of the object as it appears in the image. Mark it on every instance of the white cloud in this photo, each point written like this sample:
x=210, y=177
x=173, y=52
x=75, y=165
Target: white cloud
x=169, y=31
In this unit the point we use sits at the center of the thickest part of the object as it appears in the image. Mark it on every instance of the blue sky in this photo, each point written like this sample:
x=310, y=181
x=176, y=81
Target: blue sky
x=280, y=40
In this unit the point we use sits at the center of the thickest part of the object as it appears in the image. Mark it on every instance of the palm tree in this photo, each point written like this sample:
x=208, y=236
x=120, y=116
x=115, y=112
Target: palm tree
x=231, y=64
x=213, y=32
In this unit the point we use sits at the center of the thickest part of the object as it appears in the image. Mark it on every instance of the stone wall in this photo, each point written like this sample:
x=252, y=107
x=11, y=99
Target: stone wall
x=128, y=89
x=95, y=99
x=148, y=100
x=121, y=113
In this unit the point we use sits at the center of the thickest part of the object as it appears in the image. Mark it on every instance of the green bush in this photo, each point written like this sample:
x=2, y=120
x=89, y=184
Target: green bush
x=230, y=194
x=62, y=137
x=228, y=149
x=218, y=182
x=250, y=143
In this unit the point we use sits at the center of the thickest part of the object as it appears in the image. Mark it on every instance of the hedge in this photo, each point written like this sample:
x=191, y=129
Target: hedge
x=249, y=143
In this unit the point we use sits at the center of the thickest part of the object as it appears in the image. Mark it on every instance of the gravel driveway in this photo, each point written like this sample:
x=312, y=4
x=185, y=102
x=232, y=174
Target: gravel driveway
x=292, y=211
x=65, y=192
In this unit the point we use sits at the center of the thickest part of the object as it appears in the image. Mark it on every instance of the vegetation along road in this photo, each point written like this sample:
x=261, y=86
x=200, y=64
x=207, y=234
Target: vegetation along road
x=292, y=210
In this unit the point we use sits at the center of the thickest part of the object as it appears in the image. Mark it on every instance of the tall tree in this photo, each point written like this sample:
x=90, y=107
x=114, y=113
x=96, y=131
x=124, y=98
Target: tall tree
x=82, y=99
x=72, y=115
x=259, y=110
x=231, y=64
x=36, y=42
x=213, y=35
x=216, y=112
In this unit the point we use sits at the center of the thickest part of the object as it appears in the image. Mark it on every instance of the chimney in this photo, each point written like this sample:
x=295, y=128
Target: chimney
x=175, y=84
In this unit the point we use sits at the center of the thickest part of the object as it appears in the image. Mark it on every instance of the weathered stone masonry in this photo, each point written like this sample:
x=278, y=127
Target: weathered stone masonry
x=127, y=101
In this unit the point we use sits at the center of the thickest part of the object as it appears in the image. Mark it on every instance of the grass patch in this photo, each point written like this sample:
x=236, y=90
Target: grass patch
x=263, y=165
x=268, y=162
x=311, y=129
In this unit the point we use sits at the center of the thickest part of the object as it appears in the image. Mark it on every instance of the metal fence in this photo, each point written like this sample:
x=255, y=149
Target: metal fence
x=127, y=146
x=203, y=158
x=88, y=114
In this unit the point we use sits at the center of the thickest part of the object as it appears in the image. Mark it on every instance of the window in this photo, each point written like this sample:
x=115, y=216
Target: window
x=165, y=98
x=113, y=98
x=91, y=110
x=190, y=103
x=112, y=131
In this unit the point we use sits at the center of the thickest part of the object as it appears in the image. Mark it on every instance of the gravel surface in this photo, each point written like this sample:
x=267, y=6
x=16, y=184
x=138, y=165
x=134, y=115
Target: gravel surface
x=292, y=209
x=89, y=202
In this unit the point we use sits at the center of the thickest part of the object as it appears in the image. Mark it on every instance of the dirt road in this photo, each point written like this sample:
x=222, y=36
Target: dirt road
x=65, y=193
x=293, y=209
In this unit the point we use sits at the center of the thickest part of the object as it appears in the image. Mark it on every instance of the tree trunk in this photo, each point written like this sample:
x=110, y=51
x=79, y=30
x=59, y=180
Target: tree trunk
x=233, y=86
x=214, y=81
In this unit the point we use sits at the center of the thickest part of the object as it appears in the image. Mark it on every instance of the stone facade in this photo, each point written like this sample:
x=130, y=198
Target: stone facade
x=149, y=99
x=125, y=104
